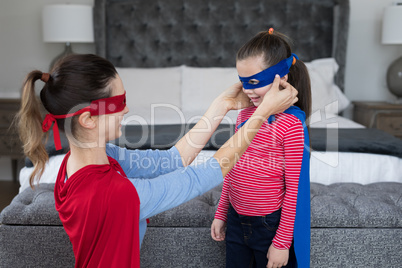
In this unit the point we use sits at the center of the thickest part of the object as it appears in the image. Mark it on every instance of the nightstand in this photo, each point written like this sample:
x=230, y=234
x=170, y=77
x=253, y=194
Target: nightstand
x=10, y=145
x=380, y=115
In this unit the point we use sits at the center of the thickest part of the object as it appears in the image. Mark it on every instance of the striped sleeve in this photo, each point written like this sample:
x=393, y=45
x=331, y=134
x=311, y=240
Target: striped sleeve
x=223, y=206
x=293, y=142
x=222, y=210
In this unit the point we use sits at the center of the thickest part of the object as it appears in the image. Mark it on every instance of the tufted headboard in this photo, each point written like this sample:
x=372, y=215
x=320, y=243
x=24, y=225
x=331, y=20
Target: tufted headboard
x=208, y=33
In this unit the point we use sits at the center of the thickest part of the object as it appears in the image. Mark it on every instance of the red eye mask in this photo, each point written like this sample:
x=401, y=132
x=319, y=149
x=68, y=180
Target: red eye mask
x=110, y=105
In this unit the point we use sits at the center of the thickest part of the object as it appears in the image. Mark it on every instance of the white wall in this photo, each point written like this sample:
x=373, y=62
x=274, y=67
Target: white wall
x=367, y=59
x=22, y=48
x=21, y=41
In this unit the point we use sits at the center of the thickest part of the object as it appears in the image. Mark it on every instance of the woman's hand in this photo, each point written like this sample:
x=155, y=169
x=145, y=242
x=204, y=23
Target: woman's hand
x=218, y=228
x=233, y=98
x=277, y=257
x=191, y=144
x=277, y=100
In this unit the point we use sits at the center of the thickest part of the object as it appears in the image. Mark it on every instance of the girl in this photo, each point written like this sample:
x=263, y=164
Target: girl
x=103, y=212
x=265, y=200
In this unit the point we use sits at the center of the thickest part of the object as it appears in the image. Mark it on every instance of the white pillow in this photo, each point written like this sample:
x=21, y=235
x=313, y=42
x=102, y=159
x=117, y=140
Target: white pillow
x=201, y=86
x=153, y=94
x=326, y=95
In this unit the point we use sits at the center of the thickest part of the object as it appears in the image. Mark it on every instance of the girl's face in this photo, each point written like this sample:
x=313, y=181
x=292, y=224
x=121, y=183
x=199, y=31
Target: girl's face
x=251, y=66
x=113, y=121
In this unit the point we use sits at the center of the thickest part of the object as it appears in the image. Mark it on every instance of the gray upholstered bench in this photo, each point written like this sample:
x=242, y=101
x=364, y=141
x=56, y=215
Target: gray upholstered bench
x=352, y=226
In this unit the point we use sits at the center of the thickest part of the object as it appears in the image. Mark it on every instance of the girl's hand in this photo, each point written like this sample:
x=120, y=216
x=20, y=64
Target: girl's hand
x=218, y=228
x=233, y=98
x=277, y=100
x=277, y=257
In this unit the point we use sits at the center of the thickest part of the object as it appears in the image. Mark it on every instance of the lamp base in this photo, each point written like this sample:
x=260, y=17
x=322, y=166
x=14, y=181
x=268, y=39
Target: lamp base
x=394, y=78
x=67, y=51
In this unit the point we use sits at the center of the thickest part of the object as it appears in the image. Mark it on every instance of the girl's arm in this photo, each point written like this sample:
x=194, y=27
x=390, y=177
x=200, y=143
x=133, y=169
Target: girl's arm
x=223, y=206
x=293, y=143
x=218, y=226
x=278, y=252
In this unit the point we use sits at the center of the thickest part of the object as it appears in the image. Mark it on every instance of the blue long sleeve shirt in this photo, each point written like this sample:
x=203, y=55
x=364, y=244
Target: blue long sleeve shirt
x=161, y=180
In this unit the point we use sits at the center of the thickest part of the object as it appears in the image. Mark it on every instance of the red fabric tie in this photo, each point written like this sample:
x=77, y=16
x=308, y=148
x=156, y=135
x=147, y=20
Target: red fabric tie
x=46, y=125
x=109, y=105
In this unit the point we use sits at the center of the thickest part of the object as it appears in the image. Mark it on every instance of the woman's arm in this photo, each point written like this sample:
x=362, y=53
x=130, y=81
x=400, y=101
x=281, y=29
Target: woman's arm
x=153, y=163
x=145, y=163
x=194, y=141
x=183, y=184
x=175, y=188
x=275, y=101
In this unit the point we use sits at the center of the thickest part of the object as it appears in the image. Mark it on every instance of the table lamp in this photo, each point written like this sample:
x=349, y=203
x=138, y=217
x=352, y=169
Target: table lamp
x=392, y=35
x=67, y=24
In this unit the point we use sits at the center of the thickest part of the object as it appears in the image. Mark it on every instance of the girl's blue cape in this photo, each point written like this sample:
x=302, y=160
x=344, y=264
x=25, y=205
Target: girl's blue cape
x=301, y=234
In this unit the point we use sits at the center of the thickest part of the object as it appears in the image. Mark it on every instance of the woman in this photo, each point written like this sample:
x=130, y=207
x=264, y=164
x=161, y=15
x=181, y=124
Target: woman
x=103, y=212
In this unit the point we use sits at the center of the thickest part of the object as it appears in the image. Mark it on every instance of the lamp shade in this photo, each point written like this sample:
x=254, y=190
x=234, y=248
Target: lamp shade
x=392, y=25
x=67, y=23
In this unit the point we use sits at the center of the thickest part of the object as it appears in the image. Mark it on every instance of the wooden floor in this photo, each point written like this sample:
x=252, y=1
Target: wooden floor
x=8, y=189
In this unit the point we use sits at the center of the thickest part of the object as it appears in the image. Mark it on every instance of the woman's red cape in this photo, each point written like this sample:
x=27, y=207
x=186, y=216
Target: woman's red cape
x=99, y=208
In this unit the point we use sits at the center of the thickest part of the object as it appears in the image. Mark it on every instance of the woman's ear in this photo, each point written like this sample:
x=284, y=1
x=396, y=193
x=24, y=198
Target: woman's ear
x=285, y=78
x=87, y=121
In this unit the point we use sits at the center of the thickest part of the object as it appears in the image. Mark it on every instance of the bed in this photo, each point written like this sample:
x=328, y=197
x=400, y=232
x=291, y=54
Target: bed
x=166, y=53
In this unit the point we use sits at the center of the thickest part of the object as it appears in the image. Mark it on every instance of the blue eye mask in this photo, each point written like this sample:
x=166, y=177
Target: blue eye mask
x=267, y=76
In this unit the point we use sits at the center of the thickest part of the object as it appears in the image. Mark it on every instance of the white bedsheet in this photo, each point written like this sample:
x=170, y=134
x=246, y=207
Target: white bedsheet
x=335, y=167
x=325, y=168
x=319, y=119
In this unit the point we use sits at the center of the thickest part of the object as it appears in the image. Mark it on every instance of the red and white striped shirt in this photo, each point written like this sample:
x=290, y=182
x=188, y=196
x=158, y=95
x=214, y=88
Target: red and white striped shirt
x=266, y=177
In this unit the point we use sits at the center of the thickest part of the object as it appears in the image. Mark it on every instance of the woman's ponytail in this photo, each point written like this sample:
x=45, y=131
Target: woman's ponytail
x=29, y=122
x=76, y=79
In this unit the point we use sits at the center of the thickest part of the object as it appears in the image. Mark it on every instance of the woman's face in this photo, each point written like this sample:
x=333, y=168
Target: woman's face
x=251, y=66
x=113, y=121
